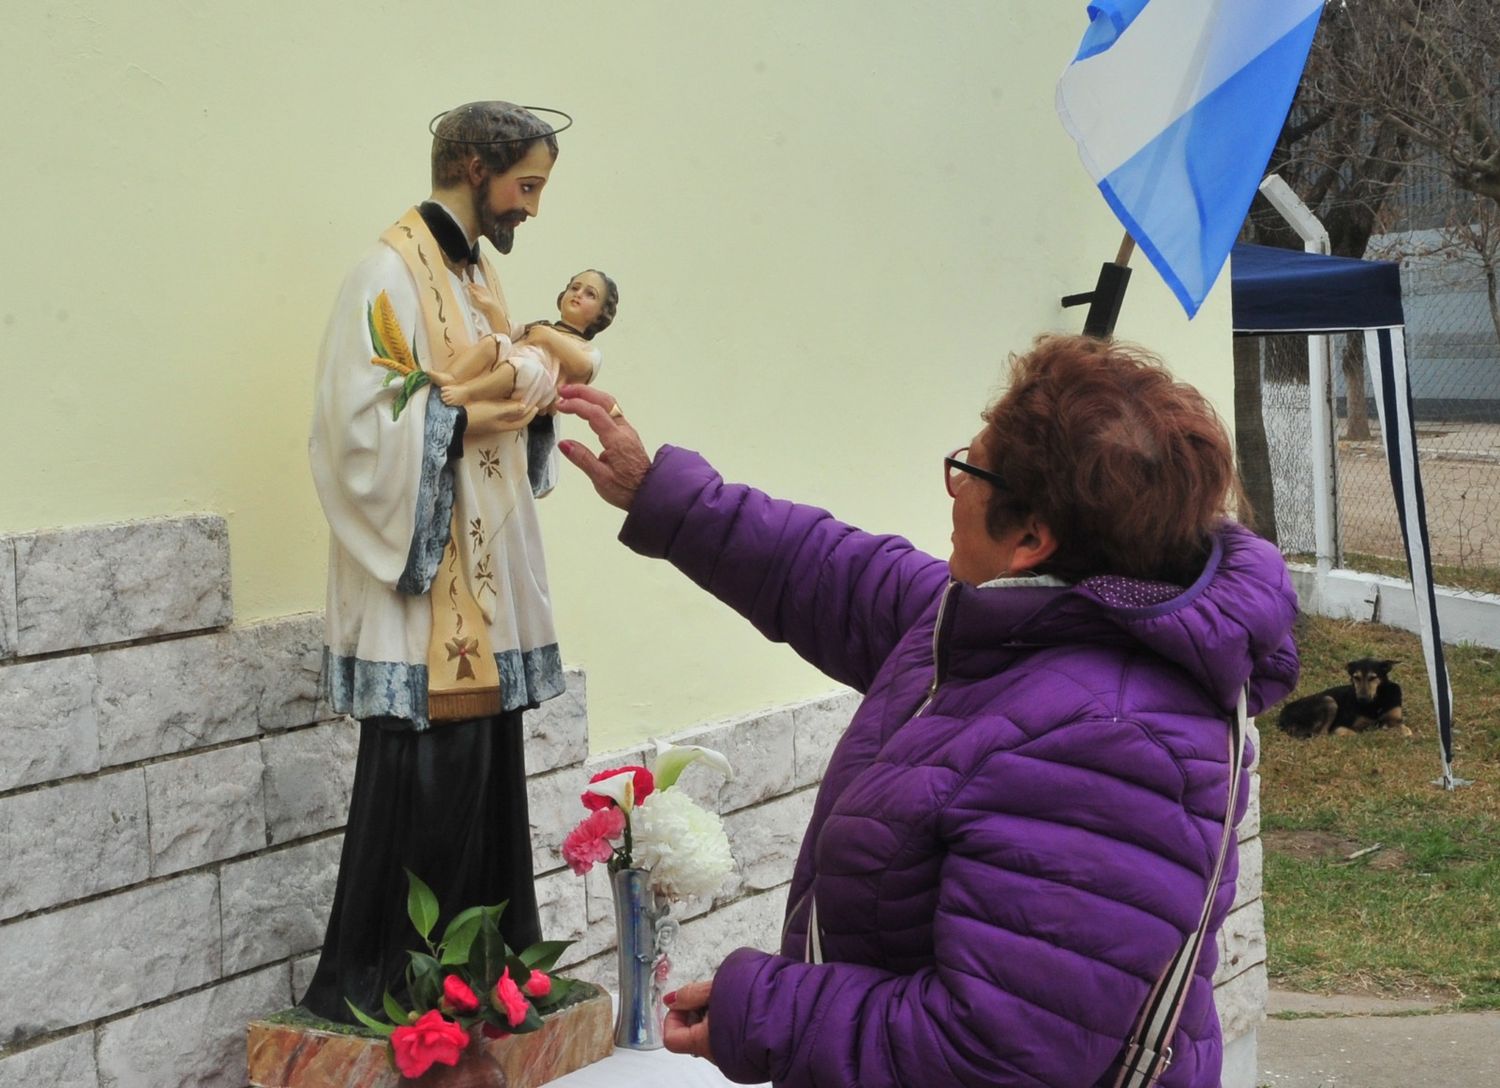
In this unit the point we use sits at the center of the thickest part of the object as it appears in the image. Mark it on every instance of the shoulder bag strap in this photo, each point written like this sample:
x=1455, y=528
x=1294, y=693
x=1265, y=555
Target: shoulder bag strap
x=1148, y=1052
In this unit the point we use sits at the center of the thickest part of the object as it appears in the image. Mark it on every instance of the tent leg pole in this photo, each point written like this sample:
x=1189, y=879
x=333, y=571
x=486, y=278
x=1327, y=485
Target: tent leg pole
x=1321, y=421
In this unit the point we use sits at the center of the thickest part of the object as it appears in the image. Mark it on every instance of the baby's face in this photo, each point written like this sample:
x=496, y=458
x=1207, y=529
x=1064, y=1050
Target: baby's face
x=583, y=300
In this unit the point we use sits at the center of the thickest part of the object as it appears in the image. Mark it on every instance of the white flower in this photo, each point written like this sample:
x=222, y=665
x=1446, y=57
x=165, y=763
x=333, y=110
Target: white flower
x=681, y=843
x=672, y=759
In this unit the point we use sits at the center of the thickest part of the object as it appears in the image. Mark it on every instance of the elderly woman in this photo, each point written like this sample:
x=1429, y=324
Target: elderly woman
x=1017, y=831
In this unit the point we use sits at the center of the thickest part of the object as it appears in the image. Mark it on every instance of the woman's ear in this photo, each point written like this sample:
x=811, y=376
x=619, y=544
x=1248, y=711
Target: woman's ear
x=1036, y=545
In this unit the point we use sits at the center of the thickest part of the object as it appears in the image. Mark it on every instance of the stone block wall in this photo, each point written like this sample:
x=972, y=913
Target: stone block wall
x=171, y=796
x=173, y=792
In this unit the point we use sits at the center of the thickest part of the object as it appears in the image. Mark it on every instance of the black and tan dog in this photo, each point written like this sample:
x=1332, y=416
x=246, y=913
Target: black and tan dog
x=1371, y=700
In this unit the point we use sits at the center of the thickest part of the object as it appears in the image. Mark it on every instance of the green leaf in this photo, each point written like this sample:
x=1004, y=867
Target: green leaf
x=458, y=938
x=395, y=1012
x=491, y=953
x=415, y=380
x=369, y=1021
x=532, y=1022
x=519, y=972
x=375, y=341
x=426, y=981
x=461, y=919
x=543, y=955
x=421, y=904
x=560, y=988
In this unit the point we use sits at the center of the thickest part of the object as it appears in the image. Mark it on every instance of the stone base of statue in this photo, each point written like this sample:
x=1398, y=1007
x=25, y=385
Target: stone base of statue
x=286, y=1052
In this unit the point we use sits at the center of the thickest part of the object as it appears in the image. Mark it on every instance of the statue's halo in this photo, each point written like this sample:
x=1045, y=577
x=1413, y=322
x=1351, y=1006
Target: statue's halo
x=553, y=131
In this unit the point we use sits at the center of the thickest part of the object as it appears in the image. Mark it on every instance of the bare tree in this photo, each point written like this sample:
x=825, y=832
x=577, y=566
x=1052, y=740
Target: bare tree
x=1459, y=230
x=1346, y=163
x=1443, y=96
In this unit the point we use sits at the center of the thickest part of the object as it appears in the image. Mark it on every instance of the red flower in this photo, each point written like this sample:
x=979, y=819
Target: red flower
x=491, y=1031
x=510, y=1000
x=458, y=997
x=644, y=784
x=431, y=1040
x=589, y=841
x=538, y=985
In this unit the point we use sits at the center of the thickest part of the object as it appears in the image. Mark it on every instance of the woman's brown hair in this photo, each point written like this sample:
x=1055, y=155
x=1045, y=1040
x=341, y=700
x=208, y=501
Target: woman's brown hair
x=1131, y=469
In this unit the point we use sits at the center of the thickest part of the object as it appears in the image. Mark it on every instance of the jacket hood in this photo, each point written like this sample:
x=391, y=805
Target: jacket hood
x=1231, y=627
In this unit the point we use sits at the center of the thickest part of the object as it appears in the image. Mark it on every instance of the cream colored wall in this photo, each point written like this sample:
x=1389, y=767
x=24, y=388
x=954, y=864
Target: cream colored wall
x=830, y=222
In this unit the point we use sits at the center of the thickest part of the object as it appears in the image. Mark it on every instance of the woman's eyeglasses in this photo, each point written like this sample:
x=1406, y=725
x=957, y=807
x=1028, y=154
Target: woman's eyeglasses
x=956, y=464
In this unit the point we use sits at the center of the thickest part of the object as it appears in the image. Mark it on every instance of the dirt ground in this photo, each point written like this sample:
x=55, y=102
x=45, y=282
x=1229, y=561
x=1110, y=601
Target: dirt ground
x=1328, y=846
x=1461, y=483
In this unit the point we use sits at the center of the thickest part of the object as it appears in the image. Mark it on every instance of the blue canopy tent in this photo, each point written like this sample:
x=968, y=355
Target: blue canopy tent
x=1283, y=291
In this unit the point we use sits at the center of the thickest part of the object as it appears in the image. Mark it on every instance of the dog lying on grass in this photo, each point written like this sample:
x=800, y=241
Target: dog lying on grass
x=1371, y=700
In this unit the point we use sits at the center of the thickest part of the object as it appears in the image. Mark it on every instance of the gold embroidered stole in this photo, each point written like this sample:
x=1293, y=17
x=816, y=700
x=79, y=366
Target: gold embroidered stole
x=463, y=680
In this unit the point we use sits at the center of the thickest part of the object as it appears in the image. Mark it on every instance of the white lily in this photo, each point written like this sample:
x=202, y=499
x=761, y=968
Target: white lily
x=672, y=759
x=619, y=788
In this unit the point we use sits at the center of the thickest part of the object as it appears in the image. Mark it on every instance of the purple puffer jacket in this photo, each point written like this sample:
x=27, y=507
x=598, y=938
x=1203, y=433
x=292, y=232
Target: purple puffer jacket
x=1016, y=831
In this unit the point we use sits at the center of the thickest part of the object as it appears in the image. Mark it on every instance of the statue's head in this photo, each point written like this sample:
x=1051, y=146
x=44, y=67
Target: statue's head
x=500, y=154
x=589, y=302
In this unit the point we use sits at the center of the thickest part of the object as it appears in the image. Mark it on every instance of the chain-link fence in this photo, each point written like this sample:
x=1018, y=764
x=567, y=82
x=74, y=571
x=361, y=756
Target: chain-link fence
x=1453, y=350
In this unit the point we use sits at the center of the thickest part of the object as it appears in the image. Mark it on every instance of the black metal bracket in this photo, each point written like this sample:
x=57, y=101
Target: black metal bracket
x=1103, y=301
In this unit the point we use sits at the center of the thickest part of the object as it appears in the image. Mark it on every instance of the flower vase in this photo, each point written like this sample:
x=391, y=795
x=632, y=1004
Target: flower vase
x=645, y=930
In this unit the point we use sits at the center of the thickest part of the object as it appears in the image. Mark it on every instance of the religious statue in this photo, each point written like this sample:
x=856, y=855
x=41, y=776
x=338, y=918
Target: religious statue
x=439, y=622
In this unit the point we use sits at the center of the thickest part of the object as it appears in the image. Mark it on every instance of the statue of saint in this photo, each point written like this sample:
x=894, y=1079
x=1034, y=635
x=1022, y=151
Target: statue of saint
x=439, y=622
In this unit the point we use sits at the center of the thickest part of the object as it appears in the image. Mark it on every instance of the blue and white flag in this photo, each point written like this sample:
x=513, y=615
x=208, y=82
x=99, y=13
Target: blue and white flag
x=1176, y=106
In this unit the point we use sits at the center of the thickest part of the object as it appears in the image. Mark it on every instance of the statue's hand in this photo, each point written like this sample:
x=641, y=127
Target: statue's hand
x=488, y=303
x=622, y=462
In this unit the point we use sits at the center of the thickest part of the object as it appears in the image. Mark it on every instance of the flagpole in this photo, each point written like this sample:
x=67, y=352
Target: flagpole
x=1108, y=293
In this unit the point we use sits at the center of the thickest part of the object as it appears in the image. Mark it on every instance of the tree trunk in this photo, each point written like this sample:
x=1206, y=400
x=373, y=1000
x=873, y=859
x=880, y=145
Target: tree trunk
x=1490, y=282
x=1251, y=451
x=1358, y=427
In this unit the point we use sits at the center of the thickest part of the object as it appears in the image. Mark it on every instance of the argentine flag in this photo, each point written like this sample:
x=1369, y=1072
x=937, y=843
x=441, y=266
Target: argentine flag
x=1176, y=106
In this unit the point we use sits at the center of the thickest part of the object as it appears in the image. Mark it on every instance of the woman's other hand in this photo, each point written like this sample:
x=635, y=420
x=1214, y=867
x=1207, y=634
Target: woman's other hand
x=622, y=462
x=686, y=1029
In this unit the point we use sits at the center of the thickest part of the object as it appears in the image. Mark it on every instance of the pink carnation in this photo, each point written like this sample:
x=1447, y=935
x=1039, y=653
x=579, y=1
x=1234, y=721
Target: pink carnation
x=510, y=1000
x=457, y=996
x=538, y=985
x=589, y=843
x=432, y=1040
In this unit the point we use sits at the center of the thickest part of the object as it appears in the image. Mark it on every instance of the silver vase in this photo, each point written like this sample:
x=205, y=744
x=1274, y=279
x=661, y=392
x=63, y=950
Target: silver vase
x=645, y=931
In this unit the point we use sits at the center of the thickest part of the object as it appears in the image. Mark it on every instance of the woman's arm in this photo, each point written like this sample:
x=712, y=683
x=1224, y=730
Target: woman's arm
x=840, y=597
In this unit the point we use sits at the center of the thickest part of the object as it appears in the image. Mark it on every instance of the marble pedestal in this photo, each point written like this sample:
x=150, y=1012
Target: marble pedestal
x=287, y=1056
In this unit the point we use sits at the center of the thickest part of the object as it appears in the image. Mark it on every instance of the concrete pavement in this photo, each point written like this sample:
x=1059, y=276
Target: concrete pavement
x=1364, y=1042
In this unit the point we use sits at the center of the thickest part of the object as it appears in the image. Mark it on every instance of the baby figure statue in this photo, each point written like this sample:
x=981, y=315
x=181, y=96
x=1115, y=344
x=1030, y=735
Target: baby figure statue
x=493, y=372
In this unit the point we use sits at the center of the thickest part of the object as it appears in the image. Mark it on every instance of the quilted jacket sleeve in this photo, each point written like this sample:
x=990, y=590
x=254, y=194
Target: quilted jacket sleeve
x=840, y=597
x=1031, y=985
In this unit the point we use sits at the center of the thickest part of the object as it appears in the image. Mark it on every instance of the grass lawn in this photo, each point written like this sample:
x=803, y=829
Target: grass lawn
x=1420, y=914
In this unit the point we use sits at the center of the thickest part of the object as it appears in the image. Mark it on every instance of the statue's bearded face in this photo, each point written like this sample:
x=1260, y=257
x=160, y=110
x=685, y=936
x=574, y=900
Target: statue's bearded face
x=504, y=201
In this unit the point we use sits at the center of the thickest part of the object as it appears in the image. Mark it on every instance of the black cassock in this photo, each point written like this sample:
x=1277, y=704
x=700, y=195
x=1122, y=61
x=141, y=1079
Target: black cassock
x=448, y=803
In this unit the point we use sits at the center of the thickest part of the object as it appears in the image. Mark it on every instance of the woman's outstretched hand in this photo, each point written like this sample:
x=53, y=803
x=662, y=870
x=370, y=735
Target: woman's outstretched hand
x=686, y=1029
x=622, y=462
